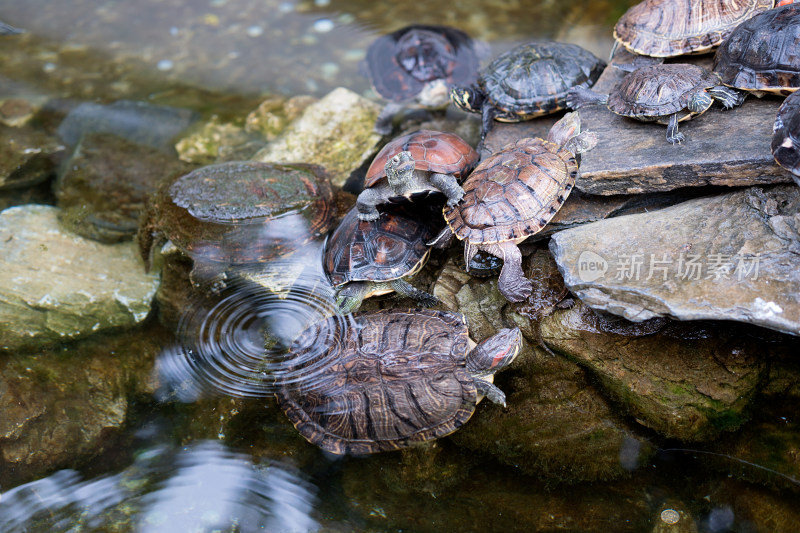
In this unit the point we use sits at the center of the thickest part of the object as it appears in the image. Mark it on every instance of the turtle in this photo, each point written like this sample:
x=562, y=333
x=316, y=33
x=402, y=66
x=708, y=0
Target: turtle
x=528, y=81
x=367, y=258
x=669, y=28
x=238, y=214
x=662, y=93
x=417, y=65
x=786, y=136
x=512, y=195
x=760, y=55
x=383, y=380
x=413, y=166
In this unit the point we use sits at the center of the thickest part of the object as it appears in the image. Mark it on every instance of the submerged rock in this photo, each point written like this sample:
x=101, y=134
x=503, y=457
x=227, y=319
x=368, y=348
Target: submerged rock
x=272, y=116
x=27, y=157
x=215, y=142
x=103, y=187
x=734, y=256
x=56, y=286
x=685, y=381
x=335, y=132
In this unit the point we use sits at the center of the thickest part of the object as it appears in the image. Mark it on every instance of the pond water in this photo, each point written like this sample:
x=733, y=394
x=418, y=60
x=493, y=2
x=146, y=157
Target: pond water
x=173, y=427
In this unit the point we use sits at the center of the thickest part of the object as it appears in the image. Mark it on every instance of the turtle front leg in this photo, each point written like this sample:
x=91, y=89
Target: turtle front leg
x=442, y=240
x=512, y=283
x=673, y=135
x=383, y=124
x=349, y=297
x=726, y=96
x=488, y=112
x=367, y=201
x=404, y=288
x=579, y=97
x=448, y=184
x=490, y=391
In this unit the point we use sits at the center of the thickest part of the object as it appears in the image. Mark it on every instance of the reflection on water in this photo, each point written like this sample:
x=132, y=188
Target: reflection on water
x=202, y=487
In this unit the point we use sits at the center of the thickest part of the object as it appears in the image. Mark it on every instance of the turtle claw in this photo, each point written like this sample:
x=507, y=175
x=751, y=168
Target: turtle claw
x=677, y=138
x=428, y=300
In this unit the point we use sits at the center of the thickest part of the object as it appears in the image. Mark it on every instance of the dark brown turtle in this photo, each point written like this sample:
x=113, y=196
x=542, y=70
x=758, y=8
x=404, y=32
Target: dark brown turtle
x=666, y=94
x=512, y=195
x=528, y=81
x=786, y=136
x=668, y=28
x=760, y=55
x=415, y=165
x=417, y=65
x=388, y=379
x=239, y=213
x=368, y=258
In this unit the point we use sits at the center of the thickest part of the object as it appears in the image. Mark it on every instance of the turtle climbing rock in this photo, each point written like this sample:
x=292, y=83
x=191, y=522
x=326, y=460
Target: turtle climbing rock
x=760, y=55
x=669, y=28
x=417, y=65
x=413, y=166
x=237, y=214
x=528, y=81
x=368, y=258
x=388, y=379
x=786, y=136
x=666, y=94
x=512, y=195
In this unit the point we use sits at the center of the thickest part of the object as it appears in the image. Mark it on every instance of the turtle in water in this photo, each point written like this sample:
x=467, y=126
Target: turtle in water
x=368, y=258
x=666, y=94
x=413, y=166
x=760, y=55
x=416, y=66
x=388, y=379
x=238, y=214
x=528, y=81
x=512, y=195
x=786, y=136
x=669, y=28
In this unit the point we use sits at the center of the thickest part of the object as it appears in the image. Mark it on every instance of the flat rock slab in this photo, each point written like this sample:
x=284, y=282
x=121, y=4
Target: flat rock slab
x=722, y=147
x=734, y=256
x=55, y=285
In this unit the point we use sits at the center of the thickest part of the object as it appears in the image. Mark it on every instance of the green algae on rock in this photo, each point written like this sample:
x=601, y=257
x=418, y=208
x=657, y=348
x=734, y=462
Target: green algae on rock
x=58, y=286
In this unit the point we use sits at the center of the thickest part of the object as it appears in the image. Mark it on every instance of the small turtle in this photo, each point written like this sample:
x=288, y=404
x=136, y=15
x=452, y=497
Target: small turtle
x=368, y=258
x=417, y=65
x=666, y=94
x=760, y=55
x=528, y=81
x=786, y=136
x=388, y=379
x=668, y=28
x=238, y=213
x=512, y=195
x=413, y=166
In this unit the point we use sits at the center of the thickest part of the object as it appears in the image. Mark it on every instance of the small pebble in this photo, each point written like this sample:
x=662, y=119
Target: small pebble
x=164, y=65
x=49, y=67
x=670, y=516
x=217, y=3
x=322, y=3
x=329, y=70
x=286, y=7
x=323, y=25
x=255, y=31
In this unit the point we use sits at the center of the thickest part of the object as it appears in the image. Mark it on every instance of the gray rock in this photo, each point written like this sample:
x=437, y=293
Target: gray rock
x=27, y=157
x=734, y=256
x=335, y=132
x=56, y=286
x=138, y=122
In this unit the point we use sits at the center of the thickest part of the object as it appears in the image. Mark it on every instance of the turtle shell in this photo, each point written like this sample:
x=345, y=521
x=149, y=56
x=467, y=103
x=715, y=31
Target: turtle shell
x=761, y=53
x=402, y=63
x=388, y=248
x=659, y=90
x=245, y=212
x=533, y=79
x=433, y=151
x=514, y=193
x=786, y=135
x=380, y=380
x=668, y=28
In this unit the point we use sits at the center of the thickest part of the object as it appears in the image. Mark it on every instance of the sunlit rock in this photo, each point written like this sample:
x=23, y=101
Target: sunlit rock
x=57, y=286
x=335, y=132
x=734, y=256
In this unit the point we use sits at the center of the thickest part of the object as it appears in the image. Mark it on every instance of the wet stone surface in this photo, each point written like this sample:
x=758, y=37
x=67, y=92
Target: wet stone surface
x=734, y=256
x=57, y=286
x=27, y=157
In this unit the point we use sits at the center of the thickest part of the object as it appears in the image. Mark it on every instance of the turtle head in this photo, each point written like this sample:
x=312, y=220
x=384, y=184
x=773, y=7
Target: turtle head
x=400, y=171
x=495, y=352
x=467, y=98
x=349, y=297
